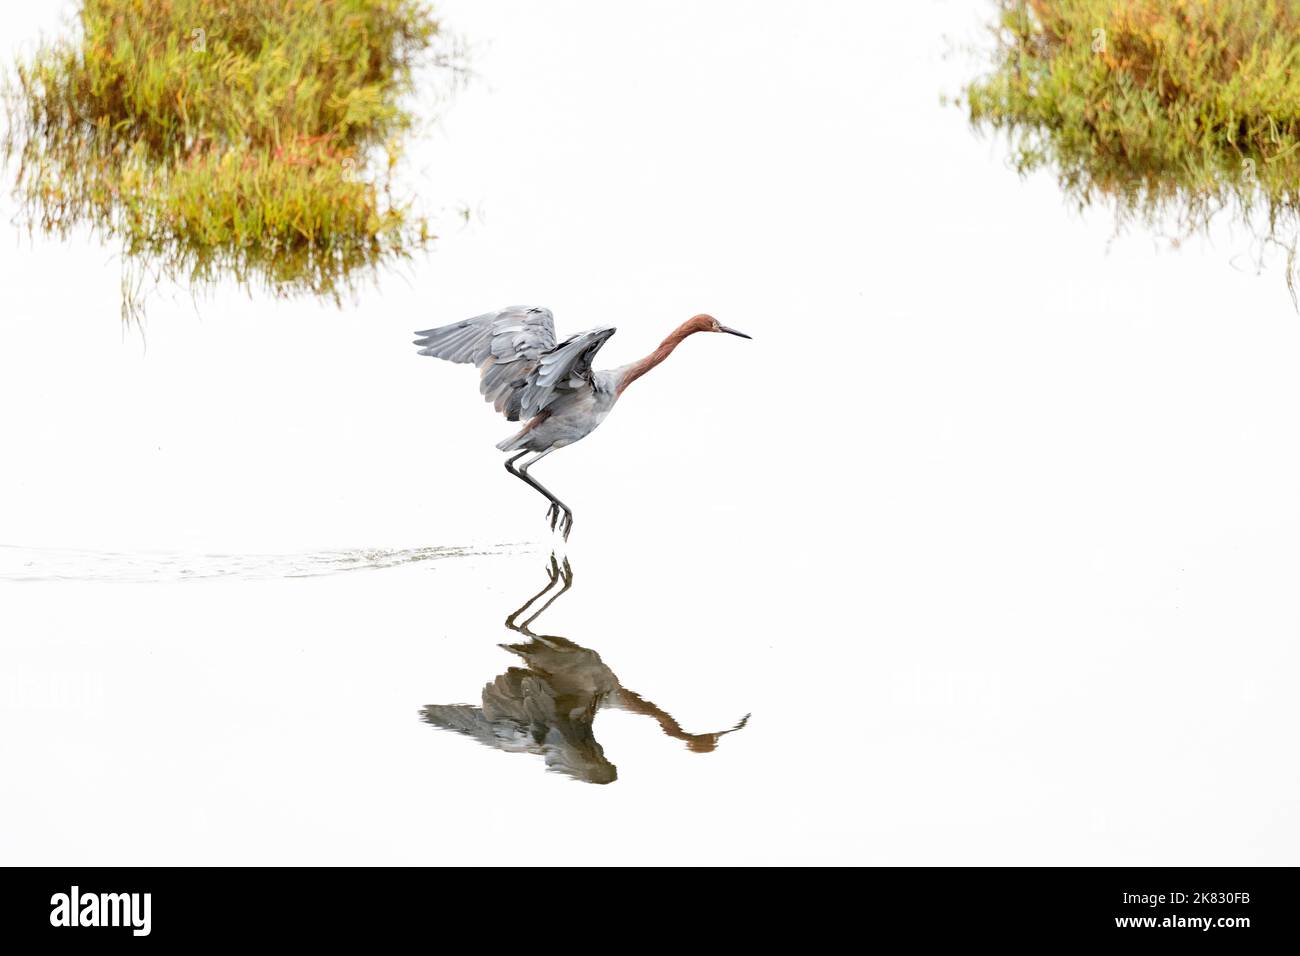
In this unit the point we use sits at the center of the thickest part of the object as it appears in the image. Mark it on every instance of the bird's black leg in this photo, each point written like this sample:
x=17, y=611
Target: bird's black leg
x=557, y=506
x=511, y=461
x=554, y=510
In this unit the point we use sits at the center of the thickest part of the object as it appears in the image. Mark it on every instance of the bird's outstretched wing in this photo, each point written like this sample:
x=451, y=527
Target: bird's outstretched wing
x=521, y=366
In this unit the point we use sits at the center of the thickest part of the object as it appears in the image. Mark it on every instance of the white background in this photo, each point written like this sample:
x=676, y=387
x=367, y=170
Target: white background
x=993, y=526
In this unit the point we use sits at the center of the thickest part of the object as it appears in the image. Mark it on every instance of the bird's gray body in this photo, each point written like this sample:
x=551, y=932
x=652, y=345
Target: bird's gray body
x=529, y=376
x=550, y=385
x=572, y=416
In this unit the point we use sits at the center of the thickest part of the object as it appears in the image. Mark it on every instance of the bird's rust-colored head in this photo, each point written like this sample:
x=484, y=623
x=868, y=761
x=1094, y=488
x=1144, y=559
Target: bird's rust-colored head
x=707, y=323
x=699, y=323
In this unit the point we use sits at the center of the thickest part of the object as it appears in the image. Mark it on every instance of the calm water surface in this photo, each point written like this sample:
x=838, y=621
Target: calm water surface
x=991, y=530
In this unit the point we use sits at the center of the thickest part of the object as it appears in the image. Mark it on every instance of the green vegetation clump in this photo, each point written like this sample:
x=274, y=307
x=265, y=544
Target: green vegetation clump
x=252, y=138
x=1171, y=109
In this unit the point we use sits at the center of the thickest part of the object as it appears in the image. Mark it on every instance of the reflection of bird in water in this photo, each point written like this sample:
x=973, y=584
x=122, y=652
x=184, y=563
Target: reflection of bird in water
x=531, y=376
x=547, y=707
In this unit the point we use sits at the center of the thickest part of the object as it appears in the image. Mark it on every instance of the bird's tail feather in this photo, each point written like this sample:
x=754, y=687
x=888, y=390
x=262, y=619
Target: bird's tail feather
x=519, y=438
x=512, y=443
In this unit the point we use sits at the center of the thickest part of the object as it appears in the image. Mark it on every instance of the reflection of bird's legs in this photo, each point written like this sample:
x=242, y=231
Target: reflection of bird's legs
x=553, y=572
x=566, y=523
x=566, y=574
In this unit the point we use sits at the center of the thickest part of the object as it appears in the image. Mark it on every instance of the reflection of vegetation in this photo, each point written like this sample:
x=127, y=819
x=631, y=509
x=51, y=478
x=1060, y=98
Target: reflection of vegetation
x=1170, y=108
x=226, y=137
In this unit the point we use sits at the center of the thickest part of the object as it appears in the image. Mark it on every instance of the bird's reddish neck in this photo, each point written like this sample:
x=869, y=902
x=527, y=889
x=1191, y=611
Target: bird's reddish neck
x=637, y=369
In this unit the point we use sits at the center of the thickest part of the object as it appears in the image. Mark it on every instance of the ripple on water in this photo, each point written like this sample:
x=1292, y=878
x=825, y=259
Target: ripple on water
x=19, y=563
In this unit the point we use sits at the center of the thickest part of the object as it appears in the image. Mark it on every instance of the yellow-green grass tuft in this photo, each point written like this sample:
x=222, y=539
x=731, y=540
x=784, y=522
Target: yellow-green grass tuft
x=247, y=138
x=1171, y=109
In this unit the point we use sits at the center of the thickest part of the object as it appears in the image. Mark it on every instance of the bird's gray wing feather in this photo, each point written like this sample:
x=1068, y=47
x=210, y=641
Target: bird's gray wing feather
x=515, y=332
x=522, y=368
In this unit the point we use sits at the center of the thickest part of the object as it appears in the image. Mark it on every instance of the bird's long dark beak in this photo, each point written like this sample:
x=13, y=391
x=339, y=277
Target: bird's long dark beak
x=734, y=332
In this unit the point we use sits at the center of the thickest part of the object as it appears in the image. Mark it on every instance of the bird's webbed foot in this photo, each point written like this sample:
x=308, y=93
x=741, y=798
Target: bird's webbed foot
x=566, y=524
x=553, y=514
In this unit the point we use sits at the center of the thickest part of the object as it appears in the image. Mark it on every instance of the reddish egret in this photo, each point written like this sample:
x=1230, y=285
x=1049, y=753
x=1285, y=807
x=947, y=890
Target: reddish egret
x=529, y=376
